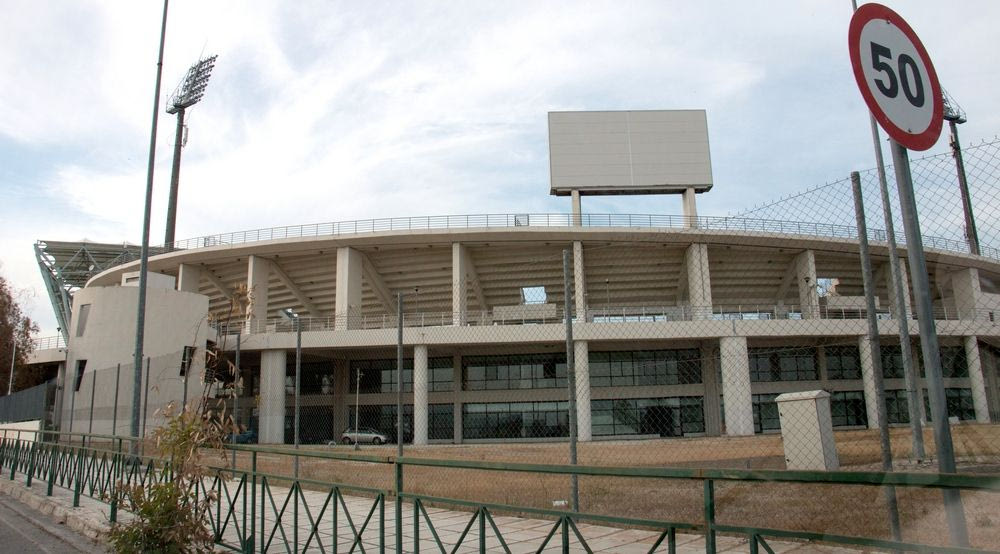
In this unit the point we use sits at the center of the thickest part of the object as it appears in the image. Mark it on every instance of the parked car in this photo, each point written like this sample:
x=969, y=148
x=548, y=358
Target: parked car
x=246, y=437
x=364, y=434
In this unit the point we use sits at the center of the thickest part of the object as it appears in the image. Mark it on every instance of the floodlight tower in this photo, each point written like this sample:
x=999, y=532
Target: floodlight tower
x=955, y=115
x=187, y=94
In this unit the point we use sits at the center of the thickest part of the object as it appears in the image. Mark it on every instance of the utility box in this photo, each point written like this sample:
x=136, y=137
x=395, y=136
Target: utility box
x=807, y=430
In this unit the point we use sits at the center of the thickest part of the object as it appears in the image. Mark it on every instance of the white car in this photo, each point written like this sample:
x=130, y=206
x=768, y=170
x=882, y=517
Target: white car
x=364, y=434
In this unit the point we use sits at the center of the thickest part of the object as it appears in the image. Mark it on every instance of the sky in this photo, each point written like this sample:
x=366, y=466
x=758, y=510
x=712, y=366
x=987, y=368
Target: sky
x=322, y=111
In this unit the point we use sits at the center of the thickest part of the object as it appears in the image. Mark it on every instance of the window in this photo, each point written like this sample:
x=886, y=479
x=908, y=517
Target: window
x=847, y=409
x=765, y=413
x=533, y=295
x=81, y=319
x=81, y=365
x=892, y=362
x=897, y=407
x=953, y=362
x=783, y=364
x=842, y=362
x=959, y=404
x=517, y=371
x=515, y=420
x=382, y=418
x=380, y=375
x=645, y=367
x=666, y=417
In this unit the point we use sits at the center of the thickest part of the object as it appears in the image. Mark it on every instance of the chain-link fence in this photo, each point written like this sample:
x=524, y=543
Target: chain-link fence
x=737, y=342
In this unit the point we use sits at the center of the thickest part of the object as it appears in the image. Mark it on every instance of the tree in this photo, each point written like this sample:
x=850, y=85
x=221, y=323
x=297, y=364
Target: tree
x=15, y=329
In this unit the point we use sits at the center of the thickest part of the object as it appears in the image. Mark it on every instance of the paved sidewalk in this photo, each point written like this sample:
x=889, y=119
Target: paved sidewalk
x=521, y=535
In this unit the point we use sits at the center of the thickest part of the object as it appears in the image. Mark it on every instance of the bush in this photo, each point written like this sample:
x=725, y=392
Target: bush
x=169, y=517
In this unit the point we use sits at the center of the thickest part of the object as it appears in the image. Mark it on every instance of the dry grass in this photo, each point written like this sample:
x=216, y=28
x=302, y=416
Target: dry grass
x=838, y=509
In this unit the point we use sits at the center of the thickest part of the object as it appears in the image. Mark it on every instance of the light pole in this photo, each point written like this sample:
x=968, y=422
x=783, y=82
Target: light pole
x=955, y=115
x=357, y=407
x=188, y=93
x=294, y=318
x=13, y=356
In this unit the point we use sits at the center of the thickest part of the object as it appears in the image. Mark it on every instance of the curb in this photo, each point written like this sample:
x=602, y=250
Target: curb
x=92, y=529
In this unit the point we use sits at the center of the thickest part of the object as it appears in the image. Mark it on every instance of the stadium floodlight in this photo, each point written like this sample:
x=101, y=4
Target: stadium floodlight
x=191, y=90
x=187, y=94
x=955, y=115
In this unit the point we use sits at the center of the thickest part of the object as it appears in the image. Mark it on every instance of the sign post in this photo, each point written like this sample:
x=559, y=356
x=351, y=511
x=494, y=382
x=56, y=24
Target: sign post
x=899, y=84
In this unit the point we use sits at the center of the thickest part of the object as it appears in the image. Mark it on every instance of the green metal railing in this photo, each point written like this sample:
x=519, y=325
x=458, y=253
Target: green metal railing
x=252, y=513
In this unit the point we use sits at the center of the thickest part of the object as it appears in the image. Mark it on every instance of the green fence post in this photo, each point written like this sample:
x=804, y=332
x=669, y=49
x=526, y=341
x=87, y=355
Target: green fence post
x=17, y=452
x=381, y=525
x=754, y=547
x=31, y=464
x=563, y=522
x=79, y=480
x=53, y=455
x=416, y=525
x=399, y=507
x=709, y=516
x=253, y=501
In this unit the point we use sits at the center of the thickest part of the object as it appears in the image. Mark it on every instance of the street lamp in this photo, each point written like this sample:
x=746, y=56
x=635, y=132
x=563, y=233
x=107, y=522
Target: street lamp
x=290, y=315
x=187, y=94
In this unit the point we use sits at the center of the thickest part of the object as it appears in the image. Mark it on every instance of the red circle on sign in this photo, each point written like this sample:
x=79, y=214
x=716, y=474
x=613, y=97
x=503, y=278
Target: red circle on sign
x=920, y=139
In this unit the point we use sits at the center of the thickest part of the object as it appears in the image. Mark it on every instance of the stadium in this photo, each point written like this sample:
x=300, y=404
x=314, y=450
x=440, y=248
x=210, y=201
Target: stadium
x=682, y=326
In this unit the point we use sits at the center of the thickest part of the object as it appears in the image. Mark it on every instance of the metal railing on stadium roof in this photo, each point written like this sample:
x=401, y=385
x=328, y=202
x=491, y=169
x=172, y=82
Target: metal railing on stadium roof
x=479, y=221
x=616, y=314
x=48, y=343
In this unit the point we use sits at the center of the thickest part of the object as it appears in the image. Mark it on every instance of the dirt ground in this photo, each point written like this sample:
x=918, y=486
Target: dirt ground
x=838, y=509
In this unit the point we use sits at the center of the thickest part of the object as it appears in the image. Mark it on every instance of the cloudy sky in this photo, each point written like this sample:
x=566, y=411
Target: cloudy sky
x=328, y=111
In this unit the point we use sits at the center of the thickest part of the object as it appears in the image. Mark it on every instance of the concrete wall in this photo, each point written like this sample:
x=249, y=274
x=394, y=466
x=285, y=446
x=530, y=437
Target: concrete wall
x=173, y=320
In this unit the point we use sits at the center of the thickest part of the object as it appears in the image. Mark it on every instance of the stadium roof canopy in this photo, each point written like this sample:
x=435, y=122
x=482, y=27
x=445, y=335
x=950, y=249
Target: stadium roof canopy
x=67, y=266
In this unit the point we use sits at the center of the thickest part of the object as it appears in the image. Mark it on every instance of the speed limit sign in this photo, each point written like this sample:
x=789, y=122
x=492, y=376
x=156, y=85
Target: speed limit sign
x=896, y=76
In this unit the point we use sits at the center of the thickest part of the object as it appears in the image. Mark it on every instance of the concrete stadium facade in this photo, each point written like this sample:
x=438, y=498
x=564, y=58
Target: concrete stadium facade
x=695, y=320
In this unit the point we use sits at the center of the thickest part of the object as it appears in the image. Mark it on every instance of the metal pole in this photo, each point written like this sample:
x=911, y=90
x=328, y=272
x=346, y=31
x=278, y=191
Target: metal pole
x=929, y=342
x=140, y=323
x=114, y=409
x=93, y=389
x=971, y=234
x=399, y=375
x=13, y=356
x=175, y=173
x=145, y=406
x=899, y=299
x=72, y=401
x=298, y=382
x=357, y=407
x=873, y=337
x=570, y=379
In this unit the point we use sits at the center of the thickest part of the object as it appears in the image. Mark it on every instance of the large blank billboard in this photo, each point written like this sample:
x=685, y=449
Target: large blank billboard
x=629, y=152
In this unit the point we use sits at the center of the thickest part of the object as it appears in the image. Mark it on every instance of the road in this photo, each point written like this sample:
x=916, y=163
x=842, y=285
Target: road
x=26, y=531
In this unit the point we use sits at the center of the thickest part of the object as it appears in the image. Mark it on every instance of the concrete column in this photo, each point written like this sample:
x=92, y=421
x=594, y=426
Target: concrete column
x=456, y=414
x=420, y=394
x=258, y=275
x=580, y=283
x=699, y=281
x=582, y=359
x=736, y=385
x=977, y=381
x=690, y=209
x=271, y=407
x=459, y=284
x=805, y=273
x=189, y=278
x=577, y=213
x=868, y=380
x=710, y=378
x=350, y=268
x=891, y=287
x=967, y=293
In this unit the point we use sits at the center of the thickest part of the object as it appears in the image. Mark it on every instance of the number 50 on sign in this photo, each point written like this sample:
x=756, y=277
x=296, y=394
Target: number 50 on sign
x=896, y=76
